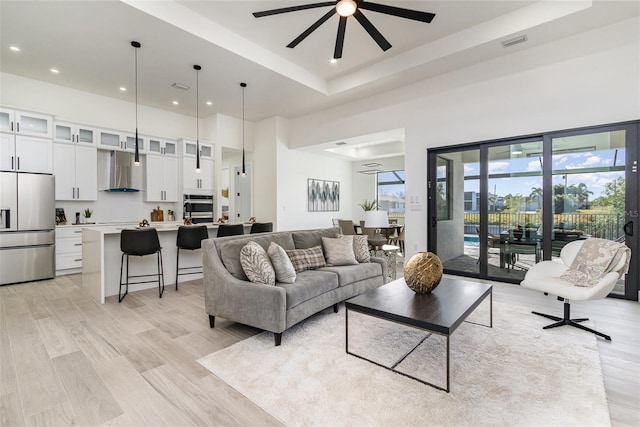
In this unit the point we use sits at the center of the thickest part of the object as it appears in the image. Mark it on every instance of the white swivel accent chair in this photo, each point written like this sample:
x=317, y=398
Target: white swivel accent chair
x=538, y=278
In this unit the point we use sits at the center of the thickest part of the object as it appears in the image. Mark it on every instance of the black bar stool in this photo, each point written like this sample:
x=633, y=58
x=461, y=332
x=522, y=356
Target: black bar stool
x=189, y=238
x=140, y=243
x=230, y=230
x=261, y=227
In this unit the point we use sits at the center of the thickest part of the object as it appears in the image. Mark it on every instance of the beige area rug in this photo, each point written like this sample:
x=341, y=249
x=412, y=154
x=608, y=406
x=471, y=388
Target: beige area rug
x=513, y=374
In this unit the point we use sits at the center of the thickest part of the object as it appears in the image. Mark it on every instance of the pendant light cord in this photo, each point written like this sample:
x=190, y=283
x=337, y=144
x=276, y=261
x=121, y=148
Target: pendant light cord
x=136, y=157
x=197, y=68
x=244, y=169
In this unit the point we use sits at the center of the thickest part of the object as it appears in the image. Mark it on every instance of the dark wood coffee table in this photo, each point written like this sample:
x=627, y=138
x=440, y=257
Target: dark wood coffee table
x=440, y=311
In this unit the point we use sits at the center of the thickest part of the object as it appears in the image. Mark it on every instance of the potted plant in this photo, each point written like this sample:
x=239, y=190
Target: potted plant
x=87, y=214
x=369, y=205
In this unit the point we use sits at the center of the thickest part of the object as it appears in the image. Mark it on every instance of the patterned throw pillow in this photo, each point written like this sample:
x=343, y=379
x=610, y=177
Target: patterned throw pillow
x=361, y=248
x=285, y=273
x=306, y=259
x=256, y=264
x=339, y=250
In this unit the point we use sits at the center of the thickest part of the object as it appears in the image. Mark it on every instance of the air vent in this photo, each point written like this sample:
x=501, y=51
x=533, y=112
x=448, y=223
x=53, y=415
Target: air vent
x=181, y=86
x=515, y=40
x=341, y=143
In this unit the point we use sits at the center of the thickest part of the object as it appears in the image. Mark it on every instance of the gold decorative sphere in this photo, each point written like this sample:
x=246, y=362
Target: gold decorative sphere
x=423, y=272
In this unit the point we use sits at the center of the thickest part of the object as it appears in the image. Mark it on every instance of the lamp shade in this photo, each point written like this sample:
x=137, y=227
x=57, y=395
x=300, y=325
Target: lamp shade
x=376, y=219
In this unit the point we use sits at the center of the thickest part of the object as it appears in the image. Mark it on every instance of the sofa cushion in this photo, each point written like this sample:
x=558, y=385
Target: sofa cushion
x=339, y=250
x=361, y=248
x=256, y=264
x=308, y=239
x=229, y=249
x=348, y=274
x=307, y=259
x=308, y=285
x=285, y=272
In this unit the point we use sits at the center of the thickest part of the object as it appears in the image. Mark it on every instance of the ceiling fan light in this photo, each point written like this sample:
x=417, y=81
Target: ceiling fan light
x=346, y=7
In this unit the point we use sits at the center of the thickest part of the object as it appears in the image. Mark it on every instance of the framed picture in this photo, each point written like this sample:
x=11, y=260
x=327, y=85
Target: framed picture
x=323, y=196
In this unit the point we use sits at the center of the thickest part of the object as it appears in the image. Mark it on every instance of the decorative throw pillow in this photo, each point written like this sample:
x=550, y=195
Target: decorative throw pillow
x=285, y=273
x=339, y=250
x=361, y=248
x=256, y=264
x=306, y=259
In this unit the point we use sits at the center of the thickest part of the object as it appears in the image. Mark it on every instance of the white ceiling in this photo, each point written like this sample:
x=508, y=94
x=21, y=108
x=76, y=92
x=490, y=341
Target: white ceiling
x=89, y=42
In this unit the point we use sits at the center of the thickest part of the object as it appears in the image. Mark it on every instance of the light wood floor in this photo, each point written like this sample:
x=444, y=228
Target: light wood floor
x=66, y=360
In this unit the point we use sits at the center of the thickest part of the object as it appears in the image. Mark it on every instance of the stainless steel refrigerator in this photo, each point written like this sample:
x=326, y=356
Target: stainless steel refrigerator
x=27, y=227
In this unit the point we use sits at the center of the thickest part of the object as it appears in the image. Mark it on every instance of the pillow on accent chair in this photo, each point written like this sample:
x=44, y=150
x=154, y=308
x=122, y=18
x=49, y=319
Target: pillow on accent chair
x=306, y=259
x=361, y=248
x=285, y=272
x=256, y=264
x=339, y=250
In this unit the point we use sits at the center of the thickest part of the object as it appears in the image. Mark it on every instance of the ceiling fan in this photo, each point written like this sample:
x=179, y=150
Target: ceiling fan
x=347, y=8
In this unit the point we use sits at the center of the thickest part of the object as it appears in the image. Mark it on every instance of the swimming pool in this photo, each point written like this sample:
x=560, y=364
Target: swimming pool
x=471, y=240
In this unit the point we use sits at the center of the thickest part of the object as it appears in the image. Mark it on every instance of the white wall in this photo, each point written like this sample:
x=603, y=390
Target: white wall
x=364, y=186
x=294, y=168
x=588, y=79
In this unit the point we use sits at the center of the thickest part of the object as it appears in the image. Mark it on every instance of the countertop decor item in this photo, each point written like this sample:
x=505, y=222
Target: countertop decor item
x=143, y=223
x=423, y=272
x=188, y=221
x=87, y=213
x=252, y=219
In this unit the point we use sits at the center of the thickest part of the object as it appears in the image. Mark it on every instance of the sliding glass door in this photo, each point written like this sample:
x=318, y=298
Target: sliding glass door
x=498, y=207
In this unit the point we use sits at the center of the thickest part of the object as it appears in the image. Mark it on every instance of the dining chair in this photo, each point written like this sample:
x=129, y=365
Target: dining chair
x=347, y=227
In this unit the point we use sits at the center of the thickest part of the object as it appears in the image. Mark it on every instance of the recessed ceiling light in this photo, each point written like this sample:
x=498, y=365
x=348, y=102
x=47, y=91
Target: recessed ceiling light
x=175, y=103
x=54, y=70
x=209, y=103
x=14, y=48
x=341, y=143
x=123, y=89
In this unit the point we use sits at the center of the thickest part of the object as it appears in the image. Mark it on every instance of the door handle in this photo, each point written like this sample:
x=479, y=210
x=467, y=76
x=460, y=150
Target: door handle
x=18, y=127
x=18, y=158
x=434, y=221
x=628, y=228
x=12, y=163
x=78, y=188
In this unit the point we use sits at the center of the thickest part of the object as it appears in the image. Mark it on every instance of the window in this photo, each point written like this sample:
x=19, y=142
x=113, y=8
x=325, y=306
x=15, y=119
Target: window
x=443, y=190
x=391, y=192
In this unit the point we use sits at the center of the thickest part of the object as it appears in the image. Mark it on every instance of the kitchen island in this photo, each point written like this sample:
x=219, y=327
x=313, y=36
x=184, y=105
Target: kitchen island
x=101, y=257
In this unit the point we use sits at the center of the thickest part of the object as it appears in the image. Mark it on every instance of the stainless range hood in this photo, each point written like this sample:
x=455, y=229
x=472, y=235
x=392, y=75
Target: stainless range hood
x=120, y=179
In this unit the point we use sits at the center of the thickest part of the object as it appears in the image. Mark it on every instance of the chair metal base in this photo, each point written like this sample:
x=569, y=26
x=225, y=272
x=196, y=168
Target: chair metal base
x=566, y=320
x=159, y=276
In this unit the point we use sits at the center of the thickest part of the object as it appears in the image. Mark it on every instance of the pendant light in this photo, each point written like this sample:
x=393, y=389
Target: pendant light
x=244, y=168
x=136, y=157
x=197, y=68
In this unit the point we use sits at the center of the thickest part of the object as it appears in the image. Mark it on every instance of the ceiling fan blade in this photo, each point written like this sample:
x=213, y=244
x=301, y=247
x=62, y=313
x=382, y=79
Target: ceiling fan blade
x=312, y=28
x=292, y=9
x=415, y=15
x=373, y=31
x=342, y=26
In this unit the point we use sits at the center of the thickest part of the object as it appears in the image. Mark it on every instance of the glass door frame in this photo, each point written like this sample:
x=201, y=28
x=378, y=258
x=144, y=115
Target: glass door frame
x=632, y=200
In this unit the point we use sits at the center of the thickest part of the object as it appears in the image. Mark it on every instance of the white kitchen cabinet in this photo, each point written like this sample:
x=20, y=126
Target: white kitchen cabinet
x=161, y=178
x=75, y=168
x=25, y=122
x=74, y=133
x=25, y=153
x=68, y=249
x=162, y=146
x=195, y=182
x=121, y=141
x=190, y=149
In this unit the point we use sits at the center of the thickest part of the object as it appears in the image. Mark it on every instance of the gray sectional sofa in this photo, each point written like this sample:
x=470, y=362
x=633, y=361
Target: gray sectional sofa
x=229, y=294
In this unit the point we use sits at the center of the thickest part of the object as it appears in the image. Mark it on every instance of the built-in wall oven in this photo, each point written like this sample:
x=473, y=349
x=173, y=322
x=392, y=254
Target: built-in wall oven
x=198, y=207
